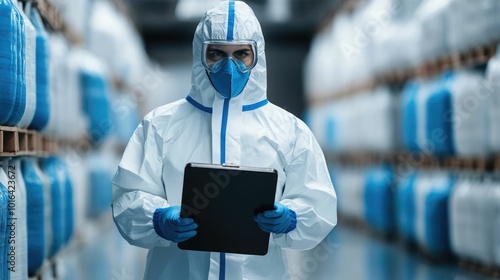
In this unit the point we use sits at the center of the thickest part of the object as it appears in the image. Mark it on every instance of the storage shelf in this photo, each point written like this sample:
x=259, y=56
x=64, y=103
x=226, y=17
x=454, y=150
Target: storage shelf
x=472, y=57
x=417, y=161
x=18, y=142
x=54, y=21
x=471, y=265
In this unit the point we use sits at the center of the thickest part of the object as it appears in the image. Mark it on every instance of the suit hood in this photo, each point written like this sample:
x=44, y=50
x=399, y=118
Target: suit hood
x=228, y=20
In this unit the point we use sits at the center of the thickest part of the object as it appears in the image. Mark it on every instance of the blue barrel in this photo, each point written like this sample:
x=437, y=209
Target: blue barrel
x=9, y=56
x=42, y=110
x=49, y=166
x=379, y=199
x=20, y=45
x=439, y=111
x=36, y=216
x=405, y=207
x=126, y=117
x=70, y=203
x=70, y=211
x=100, y=179
x=96, y=104
x=409, y=116
x=30, y=72
x=330, y=132
x=437, y=240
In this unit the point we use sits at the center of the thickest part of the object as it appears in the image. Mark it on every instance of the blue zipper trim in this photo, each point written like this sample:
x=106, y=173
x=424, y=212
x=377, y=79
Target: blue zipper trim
x=225, y=113
x=255, y=105
x=198, y=105
x=230, y=22
x=209, y=110
x=222, y=272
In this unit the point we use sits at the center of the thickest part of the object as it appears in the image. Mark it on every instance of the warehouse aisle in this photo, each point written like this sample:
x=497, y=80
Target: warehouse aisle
x=346, y=254
x=352, y=254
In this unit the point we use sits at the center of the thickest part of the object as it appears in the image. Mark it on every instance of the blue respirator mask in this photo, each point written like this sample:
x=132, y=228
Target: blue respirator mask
x=228, y=65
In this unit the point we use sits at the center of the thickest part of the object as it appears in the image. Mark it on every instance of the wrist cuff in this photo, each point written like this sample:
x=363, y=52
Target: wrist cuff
x=293, y=221
x=156, y=221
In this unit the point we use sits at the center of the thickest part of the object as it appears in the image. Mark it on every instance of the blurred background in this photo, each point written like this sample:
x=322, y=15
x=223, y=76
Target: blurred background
x=402, y=95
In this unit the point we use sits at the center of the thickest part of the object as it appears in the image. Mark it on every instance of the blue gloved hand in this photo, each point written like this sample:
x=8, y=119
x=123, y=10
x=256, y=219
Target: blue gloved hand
x=169, y=224
x=280, y=220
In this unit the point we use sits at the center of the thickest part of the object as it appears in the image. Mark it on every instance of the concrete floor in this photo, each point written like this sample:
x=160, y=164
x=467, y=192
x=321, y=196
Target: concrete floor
x=348, y=253
x=354, y=254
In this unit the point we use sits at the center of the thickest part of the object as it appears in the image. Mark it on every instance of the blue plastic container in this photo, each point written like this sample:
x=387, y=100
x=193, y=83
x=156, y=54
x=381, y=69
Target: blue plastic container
x=20, y=44
x=42, y=111
x=70, y=205
x=437, y=239
x=126, y=117
x=10, y=64
x=409, y=116
x=96, y=104
x=439, y=111
x=49, y=166
x=405, y=208
x=36, y=217
x=101, y=169
x=379, y=199
x=100, y=197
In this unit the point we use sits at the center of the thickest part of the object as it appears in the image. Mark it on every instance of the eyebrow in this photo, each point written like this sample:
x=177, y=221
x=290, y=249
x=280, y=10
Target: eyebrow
x=245, y=49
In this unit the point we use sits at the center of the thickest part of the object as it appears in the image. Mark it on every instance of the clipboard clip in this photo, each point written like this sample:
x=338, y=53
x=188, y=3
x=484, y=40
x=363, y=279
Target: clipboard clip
x=234, y=165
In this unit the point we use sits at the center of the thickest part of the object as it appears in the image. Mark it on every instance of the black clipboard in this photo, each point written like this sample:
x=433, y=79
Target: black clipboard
x=222, y=200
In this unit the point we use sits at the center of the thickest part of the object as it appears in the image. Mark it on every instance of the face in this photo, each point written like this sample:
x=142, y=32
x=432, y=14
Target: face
x=216, y=52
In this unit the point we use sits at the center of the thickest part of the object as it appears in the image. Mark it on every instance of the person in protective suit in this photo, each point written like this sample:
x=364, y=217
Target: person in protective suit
x=226, y=118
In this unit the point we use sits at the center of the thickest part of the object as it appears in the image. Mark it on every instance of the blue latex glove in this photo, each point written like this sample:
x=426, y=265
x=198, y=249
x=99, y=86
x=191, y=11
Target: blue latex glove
x=280, y=220
x=169, y=224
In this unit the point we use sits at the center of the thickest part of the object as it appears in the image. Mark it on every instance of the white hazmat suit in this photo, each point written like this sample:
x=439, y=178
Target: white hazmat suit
x=246, y=130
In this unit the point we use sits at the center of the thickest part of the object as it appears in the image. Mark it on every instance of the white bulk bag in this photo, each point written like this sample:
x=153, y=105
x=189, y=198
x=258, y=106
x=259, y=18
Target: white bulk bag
x=470, y=114
x=492, y=89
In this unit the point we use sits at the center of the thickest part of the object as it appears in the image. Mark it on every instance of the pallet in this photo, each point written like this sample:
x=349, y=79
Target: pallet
x=470, y=163
x=477, y=267
x=444, y=258
x=496, y=164
x=29, y=142
x=9, y=141
x=358, y=159
x=351, y=222
x=415, y=161
x=474, y=56
x=358, y=88
x=409, y=160
x=18, y=142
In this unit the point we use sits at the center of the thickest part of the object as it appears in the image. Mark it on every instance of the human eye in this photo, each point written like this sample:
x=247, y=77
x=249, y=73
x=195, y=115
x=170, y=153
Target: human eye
x=215, y=54
x=241, y=54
